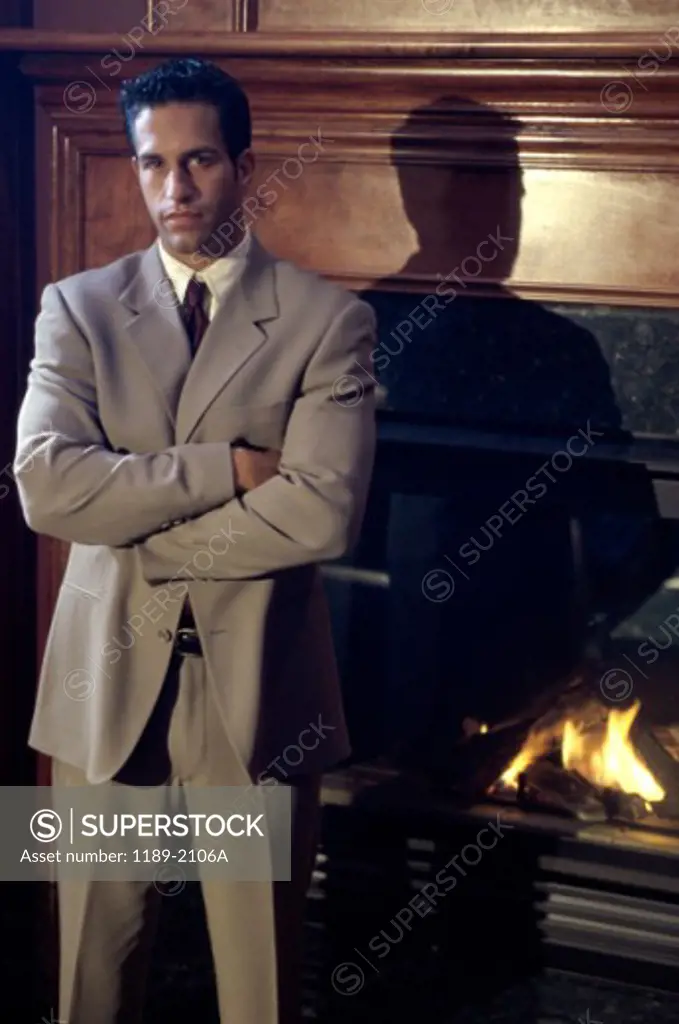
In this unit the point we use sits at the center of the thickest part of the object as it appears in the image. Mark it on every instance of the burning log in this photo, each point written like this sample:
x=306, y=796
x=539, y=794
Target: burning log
x=548, y=786
x=627, y=806
x=569, y=753
x=600, y=774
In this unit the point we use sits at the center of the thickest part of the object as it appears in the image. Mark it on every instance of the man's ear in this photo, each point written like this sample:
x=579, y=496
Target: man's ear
x=245, y=166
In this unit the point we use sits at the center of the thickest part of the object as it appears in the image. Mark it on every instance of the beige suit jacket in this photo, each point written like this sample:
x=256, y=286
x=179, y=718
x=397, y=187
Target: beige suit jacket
x=124, y=450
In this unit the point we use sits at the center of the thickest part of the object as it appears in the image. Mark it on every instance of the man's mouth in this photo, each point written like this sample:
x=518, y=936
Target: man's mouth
x=182, y=218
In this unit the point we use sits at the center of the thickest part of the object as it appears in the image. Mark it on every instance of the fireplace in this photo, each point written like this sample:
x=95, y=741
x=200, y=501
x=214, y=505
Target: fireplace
x=474, y=631
x=590, y=729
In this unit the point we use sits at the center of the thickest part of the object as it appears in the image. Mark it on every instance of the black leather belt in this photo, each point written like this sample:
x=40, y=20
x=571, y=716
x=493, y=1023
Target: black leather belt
x=187, y=641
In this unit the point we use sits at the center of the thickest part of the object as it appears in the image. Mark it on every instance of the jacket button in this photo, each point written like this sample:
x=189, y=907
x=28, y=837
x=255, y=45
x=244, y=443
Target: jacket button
x=165, y=634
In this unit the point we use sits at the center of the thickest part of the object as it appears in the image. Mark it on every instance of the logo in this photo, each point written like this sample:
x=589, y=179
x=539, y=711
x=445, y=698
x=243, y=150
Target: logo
x=616, y=684
x=79, y=97
x=348, y=390
x=164, y=294
x=79, y=684
x=46, y=825
x=438, y=585
x=438, y=6
x=348, y=979
x=617, y=97
x=169, y=880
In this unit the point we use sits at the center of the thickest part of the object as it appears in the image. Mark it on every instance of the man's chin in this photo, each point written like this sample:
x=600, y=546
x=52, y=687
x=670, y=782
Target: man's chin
x=183, y=240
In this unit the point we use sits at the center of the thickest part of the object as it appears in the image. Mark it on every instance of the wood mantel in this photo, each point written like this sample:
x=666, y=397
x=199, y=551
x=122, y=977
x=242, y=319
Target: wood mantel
x=599, y=46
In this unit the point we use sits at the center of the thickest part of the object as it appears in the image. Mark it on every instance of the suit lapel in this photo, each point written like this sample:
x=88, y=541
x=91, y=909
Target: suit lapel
x=156, y=329
x=233, y=336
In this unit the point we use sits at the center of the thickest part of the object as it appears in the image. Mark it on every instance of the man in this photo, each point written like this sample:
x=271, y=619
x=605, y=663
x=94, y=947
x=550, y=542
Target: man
x=199, y=425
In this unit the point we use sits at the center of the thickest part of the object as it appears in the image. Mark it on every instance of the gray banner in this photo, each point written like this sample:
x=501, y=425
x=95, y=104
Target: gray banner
x=164, y=834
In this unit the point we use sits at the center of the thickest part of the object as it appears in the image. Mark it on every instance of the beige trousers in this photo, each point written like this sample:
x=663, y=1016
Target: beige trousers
x=107, y=928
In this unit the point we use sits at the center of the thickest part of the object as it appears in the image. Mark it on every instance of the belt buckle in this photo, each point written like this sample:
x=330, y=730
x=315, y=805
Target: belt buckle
x=187, y=641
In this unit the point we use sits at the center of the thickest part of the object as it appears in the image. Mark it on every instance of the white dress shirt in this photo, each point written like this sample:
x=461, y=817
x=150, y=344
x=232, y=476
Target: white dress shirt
x=219, y=277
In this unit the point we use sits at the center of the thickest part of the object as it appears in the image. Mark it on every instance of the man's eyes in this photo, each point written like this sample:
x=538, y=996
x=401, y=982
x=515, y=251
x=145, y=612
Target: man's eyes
x=202, y=159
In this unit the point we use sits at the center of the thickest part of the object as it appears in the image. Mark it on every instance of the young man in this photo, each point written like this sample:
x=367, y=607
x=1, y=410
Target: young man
x=199, y=425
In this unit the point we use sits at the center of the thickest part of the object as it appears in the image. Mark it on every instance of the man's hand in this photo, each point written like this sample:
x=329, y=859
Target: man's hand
x=254, y=466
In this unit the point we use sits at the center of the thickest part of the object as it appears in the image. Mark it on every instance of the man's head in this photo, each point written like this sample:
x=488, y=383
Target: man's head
x=188, y=124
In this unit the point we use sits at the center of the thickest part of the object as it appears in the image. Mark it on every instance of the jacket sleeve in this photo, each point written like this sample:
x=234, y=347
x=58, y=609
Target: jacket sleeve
x=312, y=510
x=71, y=485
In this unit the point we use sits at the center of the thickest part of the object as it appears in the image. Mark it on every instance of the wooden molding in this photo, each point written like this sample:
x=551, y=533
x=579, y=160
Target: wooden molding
x=386, y=46
x=245, y=15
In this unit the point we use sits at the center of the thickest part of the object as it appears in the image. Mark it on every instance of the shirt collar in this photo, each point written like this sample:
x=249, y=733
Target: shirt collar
x=218, y=277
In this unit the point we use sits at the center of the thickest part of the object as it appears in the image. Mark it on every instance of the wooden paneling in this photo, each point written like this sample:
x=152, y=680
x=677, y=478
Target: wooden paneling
x=136, y=20
x=439, y=16
x=415, y=162
x=197, y=15
x=411, y=226
x=433, y=17
x=109, y=184
x=86, y=16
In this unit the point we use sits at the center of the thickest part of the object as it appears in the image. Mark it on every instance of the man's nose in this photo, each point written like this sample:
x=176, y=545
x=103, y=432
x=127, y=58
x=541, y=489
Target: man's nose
x=179, y=186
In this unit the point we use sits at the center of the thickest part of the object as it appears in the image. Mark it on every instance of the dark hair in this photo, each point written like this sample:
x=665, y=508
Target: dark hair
x=190, y=80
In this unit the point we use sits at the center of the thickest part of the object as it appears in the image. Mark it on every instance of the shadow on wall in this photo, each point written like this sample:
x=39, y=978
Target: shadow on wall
x=480, y=636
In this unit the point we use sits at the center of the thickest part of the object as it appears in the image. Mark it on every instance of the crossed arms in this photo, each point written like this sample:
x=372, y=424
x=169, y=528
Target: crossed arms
x=73, y=487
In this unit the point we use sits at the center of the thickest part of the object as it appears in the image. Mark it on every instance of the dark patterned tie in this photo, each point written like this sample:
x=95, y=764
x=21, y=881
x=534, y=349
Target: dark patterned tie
x=196, y=322
x=194, y=314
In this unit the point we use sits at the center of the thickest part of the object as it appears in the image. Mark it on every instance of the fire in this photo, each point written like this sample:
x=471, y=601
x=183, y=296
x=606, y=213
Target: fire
x=537, y=745
x=603, y=755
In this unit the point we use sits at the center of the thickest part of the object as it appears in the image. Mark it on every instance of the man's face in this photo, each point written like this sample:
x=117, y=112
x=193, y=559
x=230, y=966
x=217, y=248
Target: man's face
x=190, y=185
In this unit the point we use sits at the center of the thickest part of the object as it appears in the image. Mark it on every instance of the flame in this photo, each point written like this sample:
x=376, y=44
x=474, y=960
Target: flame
x=604, y=756
x=537, y=745
x=614, y=763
